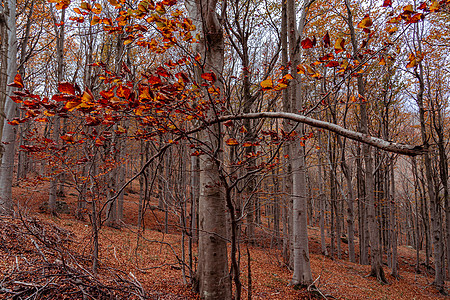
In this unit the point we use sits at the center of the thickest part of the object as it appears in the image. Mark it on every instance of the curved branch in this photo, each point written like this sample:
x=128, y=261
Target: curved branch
x=389, y=146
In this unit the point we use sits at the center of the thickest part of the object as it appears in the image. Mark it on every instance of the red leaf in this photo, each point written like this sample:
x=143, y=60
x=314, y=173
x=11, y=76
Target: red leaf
x=415, y=18
x=123, y=92
x=332, y=64
x=228, y=123
x=14, y=122
x=326, y=40
x=209, y=77
x=387, y=3
x=62, y=97
x=162, y=72
x=307, y=43
x=107, y=94
x=232, y=142
x=18, y=83
x=423, y=6
x=92, y=121
x=66, y=88
x=154, y=80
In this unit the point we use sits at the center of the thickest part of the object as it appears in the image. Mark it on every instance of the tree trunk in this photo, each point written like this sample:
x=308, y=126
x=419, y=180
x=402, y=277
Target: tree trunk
x=11, y=111
x=212, y=274
x=302, y=268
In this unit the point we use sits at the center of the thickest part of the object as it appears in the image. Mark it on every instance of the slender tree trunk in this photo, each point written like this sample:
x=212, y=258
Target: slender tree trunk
x=8, y=11
x=376, y=255
x=393, y=211
x=435, y=208
x=302, y=268
x=212, y=274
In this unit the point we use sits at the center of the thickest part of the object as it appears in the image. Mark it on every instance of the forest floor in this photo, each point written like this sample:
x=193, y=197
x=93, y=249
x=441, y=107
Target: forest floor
x=48, y=257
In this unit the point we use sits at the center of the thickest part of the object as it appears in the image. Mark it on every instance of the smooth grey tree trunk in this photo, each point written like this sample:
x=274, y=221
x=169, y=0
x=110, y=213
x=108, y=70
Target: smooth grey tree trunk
x=302, y=269
x=11, y=111
x=212, y=273
x=374, y=234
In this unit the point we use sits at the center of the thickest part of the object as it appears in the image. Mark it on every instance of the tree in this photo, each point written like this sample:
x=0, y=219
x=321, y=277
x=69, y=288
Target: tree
x=11, y=108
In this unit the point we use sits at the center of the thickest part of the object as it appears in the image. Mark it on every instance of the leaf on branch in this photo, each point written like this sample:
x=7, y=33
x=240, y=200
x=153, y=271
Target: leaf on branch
x=66, y=88
x=415, y=18
x=332, y=64
x=408, y=9
x=387, y=3
x=68, y=138
x=434, y=6
x=392, y=30
x=366, y=22
x=307, y=43
x=71, y=105
x=326, y=40
x=60, y=4
x=422, y=6
x=95, y=20
x=232, y=142
x=209, y=77
x=114, y=3
x=339, y=45
x=412, y=61
x=267, y=84
x=97, y=8
x=228, y=123
x=18, y=83
x=123, y=92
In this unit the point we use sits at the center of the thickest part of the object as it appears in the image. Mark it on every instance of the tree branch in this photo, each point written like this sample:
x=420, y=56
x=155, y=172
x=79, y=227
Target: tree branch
x=389, y=146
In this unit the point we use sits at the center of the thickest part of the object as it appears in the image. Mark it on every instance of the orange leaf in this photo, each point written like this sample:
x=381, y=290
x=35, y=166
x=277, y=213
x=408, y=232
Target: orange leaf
x=408, y=9
x=18, y=83
x=434, y=6
x=85, y=6
x=209, y=77
x=114, y=3
x=423, y=6
x=307, y=43
x=14, y=122
x=68, y=138
x=123, y=92
x=412, y=61
x=95, y=20
x=366, y=22
x=66, y=88
x=63, y=4
x=87, y=96
x=415, y=18
x=97, y=8
x=232, y=142
x=332, y=64
x=71, y=105
x=339, y=45
x=392, y=30
x=267, y=84
x=107, y=94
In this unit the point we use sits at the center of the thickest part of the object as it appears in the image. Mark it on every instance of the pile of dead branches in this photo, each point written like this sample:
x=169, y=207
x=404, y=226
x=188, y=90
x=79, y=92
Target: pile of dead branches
x=38, y=264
